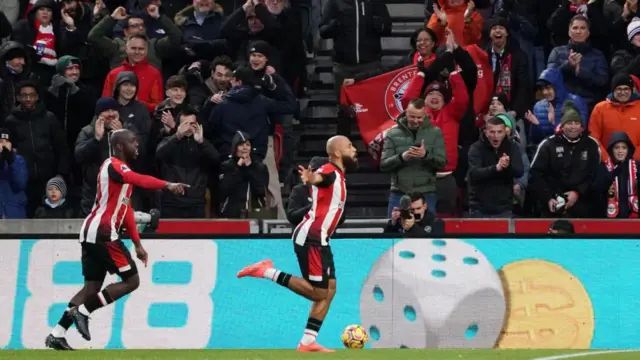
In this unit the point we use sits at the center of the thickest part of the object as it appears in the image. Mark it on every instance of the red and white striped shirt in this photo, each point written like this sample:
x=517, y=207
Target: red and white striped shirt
x=112, y=208
x=327, y=206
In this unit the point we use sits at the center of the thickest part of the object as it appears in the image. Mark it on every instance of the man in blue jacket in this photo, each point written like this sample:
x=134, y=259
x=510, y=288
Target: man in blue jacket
x=13, y=180
x=245, y=109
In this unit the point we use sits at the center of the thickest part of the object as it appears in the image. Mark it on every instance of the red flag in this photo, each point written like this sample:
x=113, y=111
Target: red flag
x=376, y=104
x=376, y=101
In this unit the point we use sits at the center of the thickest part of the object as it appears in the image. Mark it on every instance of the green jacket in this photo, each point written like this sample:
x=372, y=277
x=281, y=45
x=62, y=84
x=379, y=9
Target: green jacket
x=113, y=49
x=416, y=174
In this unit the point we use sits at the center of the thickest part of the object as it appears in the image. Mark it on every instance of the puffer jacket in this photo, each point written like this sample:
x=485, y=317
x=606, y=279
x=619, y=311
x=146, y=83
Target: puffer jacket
x=541, y=109
x=41, y=141
x=13, y=183
x=594, y=70
x=610, y=116
x=415, y=174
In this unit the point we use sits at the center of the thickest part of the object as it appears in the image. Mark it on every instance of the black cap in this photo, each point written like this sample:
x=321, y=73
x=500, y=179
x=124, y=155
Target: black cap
x=622, y=79
x=261, y=47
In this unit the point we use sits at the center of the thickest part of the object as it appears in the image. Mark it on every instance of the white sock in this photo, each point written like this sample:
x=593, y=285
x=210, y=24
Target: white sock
x=308, y=337
x=271, y=274
x=83, y=310
x=58, y=331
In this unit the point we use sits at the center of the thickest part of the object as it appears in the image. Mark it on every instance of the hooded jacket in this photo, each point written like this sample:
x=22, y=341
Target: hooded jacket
x=416, y=174
x=149, y=81
x=553, y=76
x=90, y=153
x=605, y=178
x=113, y=47
x=40, y=139
x=185, y=161
x=610, y=116
x=356, y=28
x=490, y=190
x=13, y=183
x=135, y=114
x=245, y=109
x=448, y=118
x=236, y=182
x=9, y=80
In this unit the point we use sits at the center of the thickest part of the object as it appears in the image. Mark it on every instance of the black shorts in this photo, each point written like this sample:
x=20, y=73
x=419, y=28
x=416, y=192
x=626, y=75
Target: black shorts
x=316, y=264
x=106, y=256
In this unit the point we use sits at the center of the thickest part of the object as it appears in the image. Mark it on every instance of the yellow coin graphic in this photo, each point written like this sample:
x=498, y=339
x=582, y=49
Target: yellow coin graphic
x=547, y=307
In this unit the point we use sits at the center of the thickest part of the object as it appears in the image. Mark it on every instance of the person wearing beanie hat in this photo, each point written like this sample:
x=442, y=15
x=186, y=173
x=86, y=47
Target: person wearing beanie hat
x=511, y=75
x=68, y=62
x=438, y=88
x=41, y=140
x=494, y=163
x=13, y=179
x=633, y=29
x=563, y=169
x=14, y=68
x=620, y=111
x=547, y=112
x=55, y=204
x=106, y=104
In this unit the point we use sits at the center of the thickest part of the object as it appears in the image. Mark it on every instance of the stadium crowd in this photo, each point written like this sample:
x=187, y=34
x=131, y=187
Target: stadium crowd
x=211, y=88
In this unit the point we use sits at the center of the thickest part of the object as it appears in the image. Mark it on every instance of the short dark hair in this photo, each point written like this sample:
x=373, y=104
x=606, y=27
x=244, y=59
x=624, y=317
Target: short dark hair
x=562, y=227
x=579, y=18
x=222, y=60
x=188, y=111
x=417, y=103
x=133, y=16
x=176, y=81
x=415, y=196
x=142, y=37
x=495, y=121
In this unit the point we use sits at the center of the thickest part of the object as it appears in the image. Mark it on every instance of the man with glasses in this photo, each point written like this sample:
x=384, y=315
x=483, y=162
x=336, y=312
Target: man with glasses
x=40, y=139
x=412, y=217
x=114, y=48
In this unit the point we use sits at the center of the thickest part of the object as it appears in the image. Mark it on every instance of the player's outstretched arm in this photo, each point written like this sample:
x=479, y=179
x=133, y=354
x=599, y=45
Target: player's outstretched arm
x=123, y=174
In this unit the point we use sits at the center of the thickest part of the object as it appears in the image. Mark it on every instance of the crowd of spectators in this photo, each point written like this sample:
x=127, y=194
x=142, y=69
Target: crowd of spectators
x=210, y=89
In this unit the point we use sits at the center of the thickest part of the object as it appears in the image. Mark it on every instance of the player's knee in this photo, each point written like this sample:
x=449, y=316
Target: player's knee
x=319, y=294
x=133, y=283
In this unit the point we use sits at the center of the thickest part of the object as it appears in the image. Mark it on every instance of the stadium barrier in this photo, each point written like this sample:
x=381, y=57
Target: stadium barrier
x=354, y=226
x=471, y=292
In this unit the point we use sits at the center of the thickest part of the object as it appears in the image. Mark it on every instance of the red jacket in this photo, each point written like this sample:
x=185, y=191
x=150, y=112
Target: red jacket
x=448, y=118
x=150, y=88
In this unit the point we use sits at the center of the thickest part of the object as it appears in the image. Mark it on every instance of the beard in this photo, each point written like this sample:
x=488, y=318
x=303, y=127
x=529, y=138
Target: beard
x=350, y=164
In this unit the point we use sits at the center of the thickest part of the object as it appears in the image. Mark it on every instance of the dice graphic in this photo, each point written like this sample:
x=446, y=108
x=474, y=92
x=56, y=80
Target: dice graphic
x=431, y=293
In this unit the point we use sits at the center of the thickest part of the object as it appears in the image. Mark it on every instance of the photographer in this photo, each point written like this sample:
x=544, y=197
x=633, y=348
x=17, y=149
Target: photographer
x=13, y=180
x=412, y=217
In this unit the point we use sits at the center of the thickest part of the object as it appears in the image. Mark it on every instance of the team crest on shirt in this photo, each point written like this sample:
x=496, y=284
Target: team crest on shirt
x=124, y=168
x=396, y=88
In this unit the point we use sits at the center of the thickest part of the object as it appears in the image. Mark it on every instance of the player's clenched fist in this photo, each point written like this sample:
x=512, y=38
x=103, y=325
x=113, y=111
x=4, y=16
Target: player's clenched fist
x=177, y=188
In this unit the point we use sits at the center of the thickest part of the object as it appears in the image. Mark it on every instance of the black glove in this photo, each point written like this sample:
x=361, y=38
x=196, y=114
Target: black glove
x=422, y=67
x=7, y=156
x=378, y=24
x=268, y=82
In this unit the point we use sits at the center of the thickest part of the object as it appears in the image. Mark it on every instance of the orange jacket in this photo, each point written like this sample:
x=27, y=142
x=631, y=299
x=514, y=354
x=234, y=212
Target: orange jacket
x=150, y=87
x=465, y=33
x=609, y=116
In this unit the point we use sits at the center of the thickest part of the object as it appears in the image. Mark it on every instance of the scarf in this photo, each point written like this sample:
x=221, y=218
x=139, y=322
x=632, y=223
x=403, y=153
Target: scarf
x=613, y=200
x=45, y=44
x=58, y=81
x=502, y=74
x=52, y=205
x=417, y=58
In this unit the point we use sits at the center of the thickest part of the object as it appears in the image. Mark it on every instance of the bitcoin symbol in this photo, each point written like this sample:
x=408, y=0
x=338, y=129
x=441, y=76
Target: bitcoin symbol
x=548, y=308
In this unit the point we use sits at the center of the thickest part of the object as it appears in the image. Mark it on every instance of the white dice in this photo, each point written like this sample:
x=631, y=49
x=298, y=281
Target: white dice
x=430, y=293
